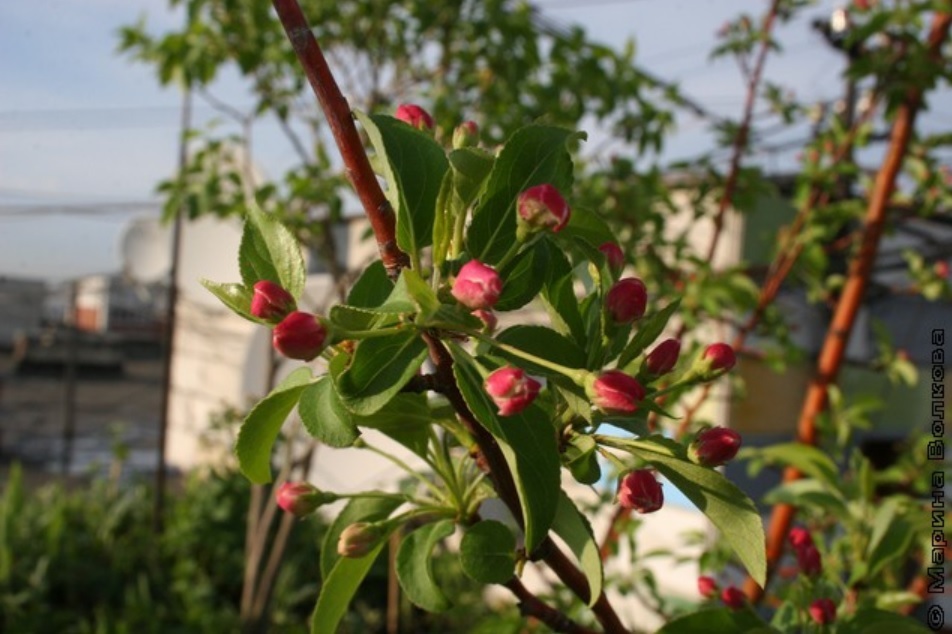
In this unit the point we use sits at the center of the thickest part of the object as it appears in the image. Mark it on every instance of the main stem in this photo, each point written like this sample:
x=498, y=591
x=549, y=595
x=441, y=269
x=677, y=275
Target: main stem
x=834, y=346
x=340, y=119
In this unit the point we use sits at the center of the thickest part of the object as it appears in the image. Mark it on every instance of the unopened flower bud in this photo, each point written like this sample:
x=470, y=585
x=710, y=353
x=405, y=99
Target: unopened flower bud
x=415, y=116
x=301, y=498
x=477, y=285
x=640, y=490
x=733, y=597
x=663, y=358
x=823, y=611
x=299, y=336
x=488, y=318
x=626, y=300
x=800, y=537
x=613, y=254
x=271, y=302
x=808, y=558
x=511, y=389
x=614, y=392
x=358, y=539
x=714, y=446
x=707, y=587
x=541, y=207
x=466, y=134
x=716, y=360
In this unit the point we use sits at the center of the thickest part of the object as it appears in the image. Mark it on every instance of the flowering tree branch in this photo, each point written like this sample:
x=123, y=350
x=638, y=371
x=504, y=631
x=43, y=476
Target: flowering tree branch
x=834, y=346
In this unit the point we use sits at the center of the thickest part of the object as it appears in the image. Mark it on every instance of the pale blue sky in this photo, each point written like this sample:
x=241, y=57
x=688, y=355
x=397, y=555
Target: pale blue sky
x=80, y=125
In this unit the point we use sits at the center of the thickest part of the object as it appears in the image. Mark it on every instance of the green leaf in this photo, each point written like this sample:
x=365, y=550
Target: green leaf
x=325, y=417
x=269, y=251
x=367, y=509
x=351, y=319
x=487, y=552
x=237, y=297
x=587, y=225
x=413, y=165
x=415, y=566
x=728, y=508
x=534, y=155
x=469, y=168
x=407, y=420
x=870, y=621
x=524, y=277
x=806, y=459
x=717, y=621
x=581, y=459
x=544, y=343
x=563, y=308
x=576, y=532
x=372, y=287
x=892, y=535
x=263, y=424
x=379, y=369
x=648, y=331
x=528, y=442
x=808, y=493
x=339, y=588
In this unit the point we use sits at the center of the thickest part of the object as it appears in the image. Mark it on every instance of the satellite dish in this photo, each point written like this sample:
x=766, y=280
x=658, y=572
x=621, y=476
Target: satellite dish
x=145, y=249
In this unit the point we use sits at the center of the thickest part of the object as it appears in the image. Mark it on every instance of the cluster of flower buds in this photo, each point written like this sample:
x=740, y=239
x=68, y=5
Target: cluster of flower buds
x=296, y=334
x=808, y=557
x=614, y=392
x=477, y=286
x=301, y=499
x=640, y=491
x=714, y=446
x=511, y=389
x=541, y=207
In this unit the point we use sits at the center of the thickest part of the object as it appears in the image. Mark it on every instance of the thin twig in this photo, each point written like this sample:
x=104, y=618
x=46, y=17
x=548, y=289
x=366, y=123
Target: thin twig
x=530, y=605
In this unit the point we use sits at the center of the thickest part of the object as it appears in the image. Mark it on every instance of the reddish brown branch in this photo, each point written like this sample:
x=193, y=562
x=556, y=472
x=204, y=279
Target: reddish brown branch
x=834, y=346
x=530, y=605
x=341, y=122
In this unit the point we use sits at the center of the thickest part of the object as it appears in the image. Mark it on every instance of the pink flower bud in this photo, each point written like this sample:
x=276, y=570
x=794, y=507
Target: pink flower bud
x=800, y=537
x=299, y=336
x=614, y=392
x=808, y=558
x=613, y=254
x=640, y=490
x=358, y=539
x=466, y=134
x=415, y=116
x=721, y=357
x=707, y=587
x=511, y=390
x=663, y=358
x=823, y=611
x=477, y=285
x=714, y=446
x=271, y=302
x=942, y=269
x=626, y=300
x=301, y=498
x=488, y=318
x=733, y=598
x=542, y=207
